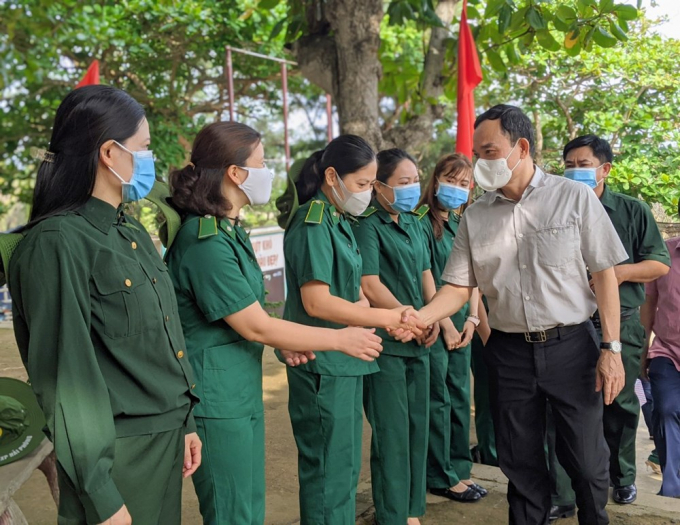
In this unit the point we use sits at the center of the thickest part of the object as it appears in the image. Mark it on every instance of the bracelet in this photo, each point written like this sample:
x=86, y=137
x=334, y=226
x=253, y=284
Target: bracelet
x=474, y=320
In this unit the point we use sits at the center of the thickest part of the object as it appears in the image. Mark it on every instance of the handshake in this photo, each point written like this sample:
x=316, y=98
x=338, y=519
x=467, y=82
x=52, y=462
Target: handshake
x=410, y=326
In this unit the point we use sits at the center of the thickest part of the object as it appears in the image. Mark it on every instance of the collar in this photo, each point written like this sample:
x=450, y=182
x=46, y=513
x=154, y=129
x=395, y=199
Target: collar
x=608, y=199
x=100, y=214
x=329, y=209
x=537, y=181
x=382, y=213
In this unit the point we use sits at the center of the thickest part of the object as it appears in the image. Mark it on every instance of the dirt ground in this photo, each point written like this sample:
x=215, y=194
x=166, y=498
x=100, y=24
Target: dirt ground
x=282, y=506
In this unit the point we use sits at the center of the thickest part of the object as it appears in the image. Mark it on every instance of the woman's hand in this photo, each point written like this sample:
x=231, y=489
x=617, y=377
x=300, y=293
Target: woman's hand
x=432, y=336
x=294, y=359
x=468, y=332
x=192, y=454
x=361, y=343
x=122, y=517
x=452, y=337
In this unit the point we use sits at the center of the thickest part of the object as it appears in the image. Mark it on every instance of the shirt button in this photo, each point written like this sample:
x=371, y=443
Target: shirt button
x=414, y=279
x=527, y=297
x=180, y=354
x=349, y=245
x=167, y=318
x=554, y=231
x=524, y=267
x=134, y=245
x=128, y=283
x=520, y=235
x=154, y=280
x=193, y=386
x=408, y=242
x=519, y=205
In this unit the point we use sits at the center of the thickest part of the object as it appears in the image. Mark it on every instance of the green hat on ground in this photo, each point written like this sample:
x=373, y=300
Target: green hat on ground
x=21, y=420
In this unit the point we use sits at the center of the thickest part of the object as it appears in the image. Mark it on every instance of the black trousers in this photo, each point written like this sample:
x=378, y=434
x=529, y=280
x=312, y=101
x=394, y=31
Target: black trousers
x=524, y=378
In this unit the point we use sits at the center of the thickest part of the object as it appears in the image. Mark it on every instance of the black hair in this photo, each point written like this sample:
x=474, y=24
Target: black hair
x=86, y=118
x=389, y=159
x=197, y=187
x=600, y=147
x=346, y=154
x=514, y=123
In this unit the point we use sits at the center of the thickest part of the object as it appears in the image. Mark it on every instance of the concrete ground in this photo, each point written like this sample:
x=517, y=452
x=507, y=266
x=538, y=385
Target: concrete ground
x=282, y=506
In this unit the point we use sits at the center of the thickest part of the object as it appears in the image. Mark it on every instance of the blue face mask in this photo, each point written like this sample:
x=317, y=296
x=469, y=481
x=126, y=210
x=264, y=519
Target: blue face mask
x=405, y=197
x=451, y=197
x=587, y=176
x=143, y=175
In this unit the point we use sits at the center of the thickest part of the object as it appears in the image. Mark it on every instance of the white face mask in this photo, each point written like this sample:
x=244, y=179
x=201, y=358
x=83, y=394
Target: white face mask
x=494, y=174
x=258, y=185
x=350, y=202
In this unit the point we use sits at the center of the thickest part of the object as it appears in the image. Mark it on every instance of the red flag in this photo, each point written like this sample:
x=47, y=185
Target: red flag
x=469, y=75
x=91, y=76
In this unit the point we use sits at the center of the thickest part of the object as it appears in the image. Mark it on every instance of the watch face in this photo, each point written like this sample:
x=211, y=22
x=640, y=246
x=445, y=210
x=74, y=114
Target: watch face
x=616, y=346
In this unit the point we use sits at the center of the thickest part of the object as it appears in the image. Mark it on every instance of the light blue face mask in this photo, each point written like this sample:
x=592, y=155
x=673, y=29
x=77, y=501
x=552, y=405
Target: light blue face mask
x=587, y=176
x=143, y=175
x=405, y=197
x=451, y=197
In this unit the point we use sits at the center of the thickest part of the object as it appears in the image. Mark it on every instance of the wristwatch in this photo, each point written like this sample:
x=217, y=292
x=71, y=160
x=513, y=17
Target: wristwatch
x=474, y=320
x=614, y=347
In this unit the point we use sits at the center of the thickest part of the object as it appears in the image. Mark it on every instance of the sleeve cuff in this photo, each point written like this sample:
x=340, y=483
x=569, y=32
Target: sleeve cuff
x=309, y=277
x=663, y=259
x=216, y=315
x=191, y=425
x=103, y=503
x=469, y=283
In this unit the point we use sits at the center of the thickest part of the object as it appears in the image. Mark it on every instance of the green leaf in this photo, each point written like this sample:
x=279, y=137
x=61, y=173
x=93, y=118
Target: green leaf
x=566, y=14
x=535, y=19
x=574, y=50
x=496, y=61
x=276, y=30
x=626, y=12
x=606, y=6
x=504, y=17
x=604, y=38
x=268, y=4
x=547, y=41
x=588, y=38
x=617, y=31
x=493, y=7
x=511, y=53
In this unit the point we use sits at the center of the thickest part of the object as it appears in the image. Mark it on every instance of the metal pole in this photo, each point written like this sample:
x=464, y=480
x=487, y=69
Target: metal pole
x=258, y=55
x=230, y=83
x=329, y=116
x=284, y=85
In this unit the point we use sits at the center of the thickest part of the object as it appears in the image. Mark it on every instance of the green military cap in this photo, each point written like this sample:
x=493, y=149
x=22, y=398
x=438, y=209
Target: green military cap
x=422, y=211
x=288, y=202
x=315, y=212
x=21, y=420
x=8, y=243
x=171, y=220
x=368, y=212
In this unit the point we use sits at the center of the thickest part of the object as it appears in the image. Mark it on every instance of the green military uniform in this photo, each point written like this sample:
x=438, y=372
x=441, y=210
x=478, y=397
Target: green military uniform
x=326, y=394
x=448, y=458
x=215, y=273
x=397, y=398
x=642, y=240
x=96, y=323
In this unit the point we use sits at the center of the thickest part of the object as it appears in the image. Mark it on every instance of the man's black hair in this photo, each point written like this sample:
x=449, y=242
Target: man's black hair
x=514, y=123
x=600, y=147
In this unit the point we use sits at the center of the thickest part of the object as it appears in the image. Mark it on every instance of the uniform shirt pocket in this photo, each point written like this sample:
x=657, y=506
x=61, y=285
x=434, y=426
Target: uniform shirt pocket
x=117, y=293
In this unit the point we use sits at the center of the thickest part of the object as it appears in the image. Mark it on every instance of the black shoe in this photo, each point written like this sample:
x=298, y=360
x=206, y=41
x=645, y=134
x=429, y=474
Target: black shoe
x=481, y=490
x=625, y=495
x=561, y=511
x=469, y=496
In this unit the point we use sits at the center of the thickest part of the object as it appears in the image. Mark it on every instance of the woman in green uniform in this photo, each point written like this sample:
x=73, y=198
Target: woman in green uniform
x=323, y=273
x=396, y=271
x=449, y=462
x=220, y=294
x=95, y=318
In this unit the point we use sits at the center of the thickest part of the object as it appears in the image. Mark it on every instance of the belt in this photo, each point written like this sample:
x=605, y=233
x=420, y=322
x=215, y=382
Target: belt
x=545, y=335
x=626, y=313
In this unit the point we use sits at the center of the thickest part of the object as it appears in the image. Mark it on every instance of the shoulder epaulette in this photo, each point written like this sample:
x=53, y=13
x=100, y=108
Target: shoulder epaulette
x=369, y=211
x=207, y=227
x=422, y=211
x=315, y=212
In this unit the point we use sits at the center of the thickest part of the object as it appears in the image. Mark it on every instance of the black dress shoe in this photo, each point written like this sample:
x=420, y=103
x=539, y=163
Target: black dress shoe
x=561, y=511
x=481, y=490
x=625, y=495
x=469, y=496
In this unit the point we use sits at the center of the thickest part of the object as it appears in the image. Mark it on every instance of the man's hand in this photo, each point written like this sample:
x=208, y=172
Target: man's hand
x=192, y=454
x=122, y=517
x=611, y=377
x=430, y=337
x=294, y=359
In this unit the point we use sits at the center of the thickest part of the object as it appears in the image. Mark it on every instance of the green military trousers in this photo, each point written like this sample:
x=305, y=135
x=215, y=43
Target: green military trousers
x=448, y=457
x=147, y=471
x=326, y=415
x=396, y=400
x=620, y=420
x=230, y=482
x=486, y=439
